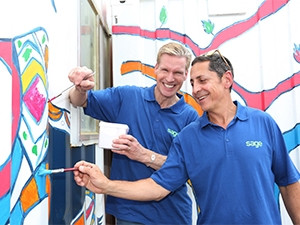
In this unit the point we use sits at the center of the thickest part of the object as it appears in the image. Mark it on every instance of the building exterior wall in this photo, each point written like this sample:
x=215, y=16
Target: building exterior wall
x=39, y=45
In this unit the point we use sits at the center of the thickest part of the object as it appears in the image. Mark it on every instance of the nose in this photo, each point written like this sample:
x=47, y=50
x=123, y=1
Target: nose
x=196, y=89
x=170, y=77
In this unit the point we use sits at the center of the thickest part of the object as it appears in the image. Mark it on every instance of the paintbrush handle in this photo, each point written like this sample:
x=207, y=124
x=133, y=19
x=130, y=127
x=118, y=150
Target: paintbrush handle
x=85, y=78
x=70, y=169
x=61, y=170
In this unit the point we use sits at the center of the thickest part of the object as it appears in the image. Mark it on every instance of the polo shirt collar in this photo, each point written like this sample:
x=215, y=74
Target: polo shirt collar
x=241, y=114
x=176, y=108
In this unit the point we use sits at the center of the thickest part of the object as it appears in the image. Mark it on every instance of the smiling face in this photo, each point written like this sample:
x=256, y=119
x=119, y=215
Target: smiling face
x=209, y=90
x=171, y=73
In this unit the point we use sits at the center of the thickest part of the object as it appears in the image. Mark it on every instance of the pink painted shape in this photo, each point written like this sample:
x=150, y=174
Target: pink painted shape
x=6, y=54
x=35, y=101
x=89, y=209
x=5, y=179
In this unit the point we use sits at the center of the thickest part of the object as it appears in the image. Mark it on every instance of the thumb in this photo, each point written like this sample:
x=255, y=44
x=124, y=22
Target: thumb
x=84, y=169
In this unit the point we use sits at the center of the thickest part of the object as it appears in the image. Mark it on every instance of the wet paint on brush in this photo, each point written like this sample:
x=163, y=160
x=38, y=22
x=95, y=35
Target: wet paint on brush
x=44, y=172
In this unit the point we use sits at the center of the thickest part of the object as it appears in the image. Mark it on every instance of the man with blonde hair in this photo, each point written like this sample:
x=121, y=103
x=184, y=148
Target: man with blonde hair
x=154, y=115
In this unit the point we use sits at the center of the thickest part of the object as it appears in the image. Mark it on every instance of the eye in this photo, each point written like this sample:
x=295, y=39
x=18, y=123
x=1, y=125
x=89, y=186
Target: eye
x=179, y=73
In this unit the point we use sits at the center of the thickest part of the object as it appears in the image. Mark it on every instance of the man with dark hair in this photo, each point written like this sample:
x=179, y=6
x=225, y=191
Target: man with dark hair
x=232, y=154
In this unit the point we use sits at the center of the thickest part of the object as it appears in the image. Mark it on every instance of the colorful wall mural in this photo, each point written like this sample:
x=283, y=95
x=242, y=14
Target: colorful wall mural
x=37, y=50
x=25, y=191
x=37, y=132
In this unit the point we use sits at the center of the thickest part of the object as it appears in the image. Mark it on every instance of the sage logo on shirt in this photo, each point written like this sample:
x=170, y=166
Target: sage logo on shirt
x=256, y=144
x=172, y=132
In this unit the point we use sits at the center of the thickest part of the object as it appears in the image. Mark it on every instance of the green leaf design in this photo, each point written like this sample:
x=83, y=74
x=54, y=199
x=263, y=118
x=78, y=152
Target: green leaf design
x=163, y=15
x=19, y=43
x=43, y=39
x=34, y=150
x=24, y=135
x=26, y=54
x=46, y=143
x=208, y=26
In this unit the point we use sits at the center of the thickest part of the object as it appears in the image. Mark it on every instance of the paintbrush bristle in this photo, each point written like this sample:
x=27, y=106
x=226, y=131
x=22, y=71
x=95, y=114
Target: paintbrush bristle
x=43, y=172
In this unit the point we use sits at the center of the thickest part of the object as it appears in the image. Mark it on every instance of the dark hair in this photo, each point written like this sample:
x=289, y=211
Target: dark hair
x=216, y=63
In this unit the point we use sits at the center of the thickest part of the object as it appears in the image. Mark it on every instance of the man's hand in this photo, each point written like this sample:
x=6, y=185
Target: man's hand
x=129, y=146
x=89, y=175
x=83, y=79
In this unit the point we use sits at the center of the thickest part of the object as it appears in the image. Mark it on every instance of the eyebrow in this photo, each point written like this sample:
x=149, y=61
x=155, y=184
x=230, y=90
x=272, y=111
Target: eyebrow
x=196, y=78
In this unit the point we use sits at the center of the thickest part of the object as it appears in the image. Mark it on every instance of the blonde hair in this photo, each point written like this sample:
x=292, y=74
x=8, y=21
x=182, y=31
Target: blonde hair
x=175, y=49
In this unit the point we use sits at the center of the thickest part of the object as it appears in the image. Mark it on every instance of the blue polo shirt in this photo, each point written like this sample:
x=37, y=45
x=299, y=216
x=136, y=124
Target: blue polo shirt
x=155, y=129
x=232, y=170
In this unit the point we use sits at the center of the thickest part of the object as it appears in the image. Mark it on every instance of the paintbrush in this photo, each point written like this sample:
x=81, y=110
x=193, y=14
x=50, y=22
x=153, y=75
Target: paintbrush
x=61, y=170
x=85, y=78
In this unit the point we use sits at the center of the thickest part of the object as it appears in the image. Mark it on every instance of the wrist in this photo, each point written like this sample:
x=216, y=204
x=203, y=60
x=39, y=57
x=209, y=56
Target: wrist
x=151, y=159
x=80, y=90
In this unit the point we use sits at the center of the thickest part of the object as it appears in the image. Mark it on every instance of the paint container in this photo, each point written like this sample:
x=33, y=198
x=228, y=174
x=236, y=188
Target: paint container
x=110, y=131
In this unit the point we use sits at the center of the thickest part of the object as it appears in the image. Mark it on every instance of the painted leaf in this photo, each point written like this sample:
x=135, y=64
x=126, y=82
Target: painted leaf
x=163, y=15
x=34, y=150
x=297, y=53
x=208, y=26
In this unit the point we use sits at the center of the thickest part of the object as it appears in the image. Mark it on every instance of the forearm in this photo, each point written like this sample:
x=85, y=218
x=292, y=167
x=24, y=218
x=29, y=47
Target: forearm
x=291, y=198
x=77, y=98
x=141, y=190
x=129, y=146
x=154, y=160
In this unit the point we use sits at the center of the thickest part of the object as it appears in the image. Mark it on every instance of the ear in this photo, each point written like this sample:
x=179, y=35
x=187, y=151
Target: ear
x=186, y=75
x=155, y=68
x=227, y=79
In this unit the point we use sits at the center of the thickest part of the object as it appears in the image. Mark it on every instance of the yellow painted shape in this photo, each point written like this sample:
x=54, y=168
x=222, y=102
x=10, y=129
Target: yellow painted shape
x=31, y=71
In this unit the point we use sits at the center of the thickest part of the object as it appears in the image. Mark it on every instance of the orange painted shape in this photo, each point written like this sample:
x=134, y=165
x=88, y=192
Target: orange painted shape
x=29, y=195
x=48, y=191
x=46, y=57
x=148, y=70
x=67, y=119
x=80, y=220
x=53, y=112
x=190, y=100
x=129, y=67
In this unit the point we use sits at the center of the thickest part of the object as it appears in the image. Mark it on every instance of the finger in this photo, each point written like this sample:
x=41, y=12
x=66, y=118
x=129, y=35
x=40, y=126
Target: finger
x=120, y=141
x=87, y=168
x=126, y=136
x=79, y=163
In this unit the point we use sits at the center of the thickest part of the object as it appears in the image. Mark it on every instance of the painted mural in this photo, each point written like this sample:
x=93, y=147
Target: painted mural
x=37, y=131
x=25, y=194
x=262, y=40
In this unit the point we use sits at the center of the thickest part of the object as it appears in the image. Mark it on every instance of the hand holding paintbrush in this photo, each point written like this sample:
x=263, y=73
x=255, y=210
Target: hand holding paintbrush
x=85, y=78
x=78, y=95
